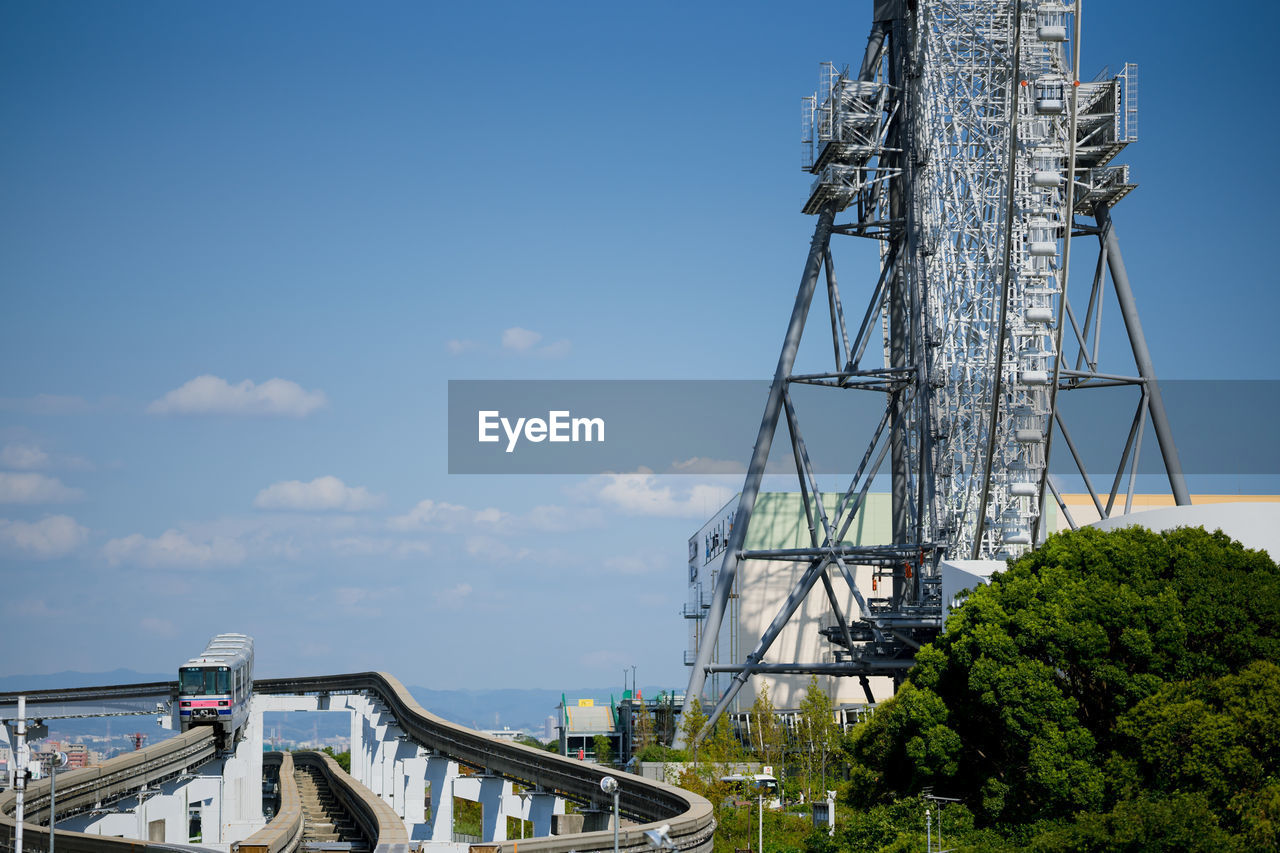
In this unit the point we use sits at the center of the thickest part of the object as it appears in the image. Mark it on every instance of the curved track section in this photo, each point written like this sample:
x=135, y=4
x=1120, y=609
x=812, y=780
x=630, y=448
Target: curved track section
x=650, y=803
x=284, y=832
x=377, y=820
x=84, y=789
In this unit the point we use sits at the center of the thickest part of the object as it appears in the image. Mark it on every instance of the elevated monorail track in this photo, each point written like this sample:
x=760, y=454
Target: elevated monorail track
x=377, y=822
x=284, y=833
x=92, y=787
x=647, y=803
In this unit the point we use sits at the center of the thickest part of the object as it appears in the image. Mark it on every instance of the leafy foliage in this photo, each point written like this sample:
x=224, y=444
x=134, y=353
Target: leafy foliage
x=1110, y=691
x=766, y=731
x=604, y=750
x=343, y=758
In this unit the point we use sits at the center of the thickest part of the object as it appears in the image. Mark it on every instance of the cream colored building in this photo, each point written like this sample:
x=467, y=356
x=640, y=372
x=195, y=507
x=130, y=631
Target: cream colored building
x=778, y=521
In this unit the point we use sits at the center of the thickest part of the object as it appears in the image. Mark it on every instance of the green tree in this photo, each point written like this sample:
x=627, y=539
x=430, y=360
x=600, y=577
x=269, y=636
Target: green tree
x=818, y=737
x=604, y=750
x=642, y=730
x=1105, y=674
x=343, y=758
x=691, y=723
x=766, y=731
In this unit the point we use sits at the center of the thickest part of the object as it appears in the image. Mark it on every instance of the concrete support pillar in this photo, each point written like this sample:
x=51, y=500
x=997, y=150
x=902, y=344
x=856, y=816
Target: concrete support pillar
x=357, y=736
x=541, y=807
x=412, y=795
x=441, y=773
x=597, y=820
x=494, y=818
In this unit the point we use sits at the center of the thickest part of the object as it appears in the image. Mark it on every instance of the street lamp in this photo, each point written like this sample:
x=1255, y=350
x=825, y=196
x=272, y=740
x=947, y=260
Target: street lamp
x=760, y=812
x=58, y=759
x=659, y=838
x=610, y=786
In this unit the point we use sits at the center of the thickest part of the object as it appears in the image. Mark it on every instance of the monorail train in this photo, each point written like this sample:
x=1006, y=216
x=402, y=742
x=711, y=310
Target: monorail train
x=215, y=686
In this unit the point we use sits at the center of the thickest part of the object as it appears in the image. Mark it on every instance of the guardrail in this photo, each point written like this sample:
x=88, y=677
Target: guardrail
x=87, y=788
x=653, y=804
x=284, y=832
x=82, y=694
x=379, y=822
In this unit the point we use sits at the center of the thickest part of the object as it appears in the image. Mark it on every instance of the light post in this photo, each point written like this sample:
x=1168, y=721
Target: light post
x=760, y=811
x=58, y=759
x=930, y=797
x=21, y=756
x=524, y=796
x=610, y=786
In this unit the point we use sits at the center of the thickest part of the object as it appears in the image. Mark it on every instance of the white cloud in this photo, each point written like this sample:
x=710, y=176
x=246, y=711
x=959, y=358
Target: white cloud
x=520, y=340
x=545, y=518
x=321, y=494
x=366, y=546
x=35, y=609
x=28, y=456
x=172, y=548
x=453, y=597
x=52, y=536
x=345, y=596
x=157, y=627
x=642, y=493
x=525, y=342
x=701, y=465
x=550, y=518
x=490, y=515
x=34, y=489
x=439, y=515
x=212, y=395
x=23, y=456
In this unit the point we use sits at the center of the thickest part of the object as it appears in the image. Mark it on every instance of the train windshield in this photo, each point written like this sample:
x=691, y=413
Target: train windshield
x=194, y=681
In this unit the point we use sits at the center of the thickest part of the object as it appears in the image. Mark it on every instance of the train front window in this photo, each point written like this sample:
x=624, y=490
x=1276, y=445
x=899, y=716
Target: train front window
x=193, y=681
x=224, y=681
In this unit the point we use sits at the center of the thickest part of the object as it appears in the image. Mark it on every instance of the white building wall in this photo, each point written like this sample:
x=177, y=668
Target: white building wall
x=762, y=587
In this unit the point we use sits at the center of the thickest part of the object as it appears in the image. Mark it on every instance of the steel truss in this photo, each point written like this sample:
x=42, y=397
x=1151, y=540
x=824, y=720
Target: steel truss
x=967, y=147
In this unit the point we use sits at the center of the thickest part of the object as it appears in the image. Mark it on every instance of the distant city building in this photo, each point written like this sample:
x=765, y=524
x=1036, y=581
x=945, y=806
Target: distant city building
x=506, y=733
x=581, y=722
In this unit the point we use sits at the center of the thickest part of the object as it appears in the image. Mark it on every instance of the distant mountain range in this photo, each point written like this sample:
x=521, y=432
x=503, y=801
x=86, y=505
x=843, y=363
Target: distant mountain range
x=478, y=709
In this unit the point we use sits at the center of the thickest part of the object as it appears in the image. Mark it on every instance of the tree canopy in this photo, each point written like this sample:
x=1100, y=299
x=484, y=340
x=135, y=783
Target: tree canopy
x=1109, y=691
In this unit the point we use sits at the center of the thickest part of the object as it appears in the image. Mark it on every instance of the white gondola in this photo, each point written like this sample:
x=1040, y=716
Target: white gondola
x=1051, y=22
x=1051, y=95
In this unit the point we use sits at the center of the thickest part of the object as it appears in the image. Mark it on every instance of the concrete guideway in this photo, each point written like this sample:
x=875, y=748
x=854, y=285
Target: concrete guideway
x=650, y=803
x=376, y=821
x=284, y=833
x=398, y=748
x=82, y=790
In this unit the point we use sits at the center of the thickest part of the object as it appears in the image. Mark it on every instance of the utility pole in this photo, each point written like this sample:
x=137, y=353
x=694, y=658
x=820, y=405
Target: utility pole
x=21, y=757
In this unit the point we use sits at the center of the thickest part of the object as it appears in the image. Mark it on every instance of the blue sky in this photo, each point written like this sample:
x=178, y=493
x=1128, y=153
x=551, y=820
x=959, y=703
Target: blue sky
x=363, y=201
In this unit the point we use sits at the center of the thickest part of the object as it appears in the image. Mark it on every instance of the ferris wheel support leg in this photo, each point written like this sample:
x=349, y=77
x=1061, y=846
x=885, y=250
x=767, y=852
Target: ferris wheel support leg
x=1141, y=355
x=759, y=456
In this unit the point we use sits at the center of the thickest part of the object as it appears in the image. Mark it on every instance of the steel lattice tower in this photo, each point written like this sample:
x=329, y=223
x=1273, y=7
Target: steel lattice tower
x=967, y=146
